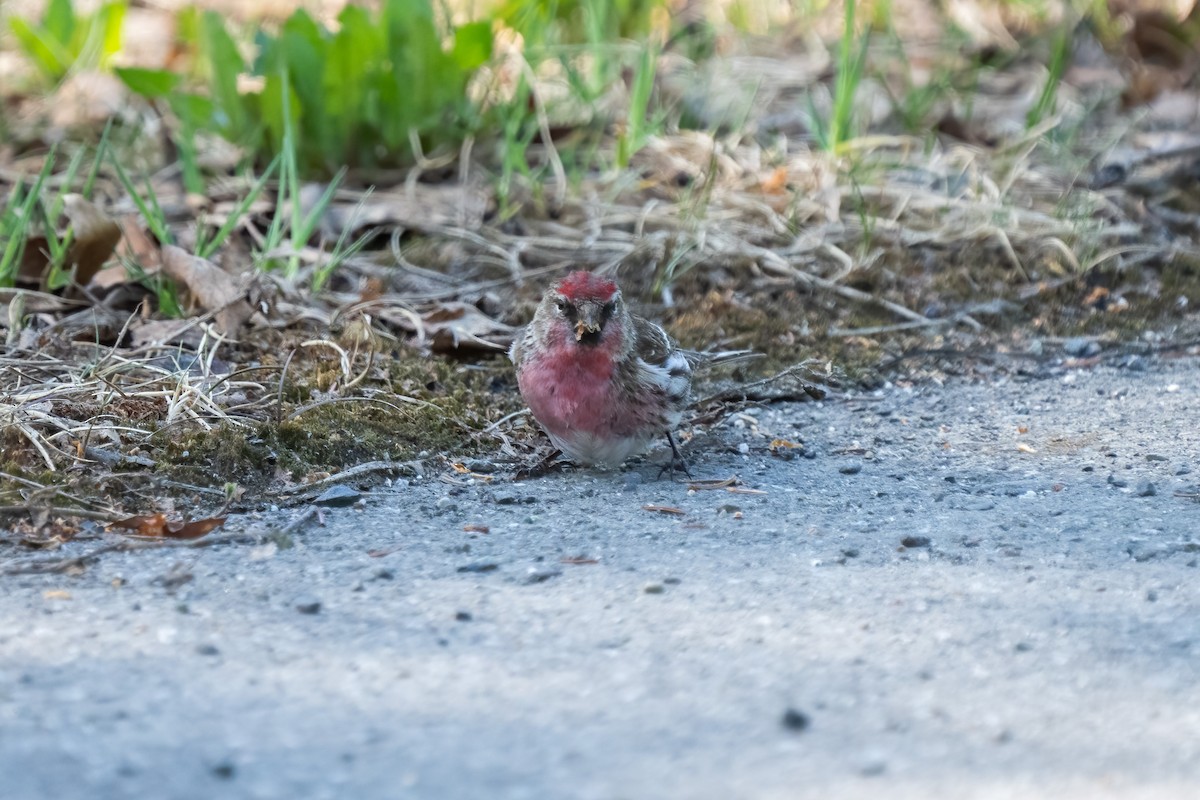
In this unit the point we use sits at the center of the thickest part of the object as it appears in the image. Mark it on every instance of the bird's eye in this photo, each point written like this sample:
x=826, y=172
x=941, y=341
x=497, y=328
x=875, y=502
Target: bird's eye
x=562, y=306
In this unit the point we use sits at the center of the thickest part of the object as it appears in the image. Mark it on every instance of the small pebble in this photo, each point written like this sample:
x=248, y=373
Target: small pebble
x=794, y=720
x=915, y=541
x=1146, y=489
x=308, y=605
x=852, y=468
x=542, y=575
x=207, y=650
x=1133, y=363
x=462, y=616
x=653, y=588
x=480, y=566
x=1119, y=483
x=743, y=448
x=445, y=504
x=337, y=497
x=1079, y=347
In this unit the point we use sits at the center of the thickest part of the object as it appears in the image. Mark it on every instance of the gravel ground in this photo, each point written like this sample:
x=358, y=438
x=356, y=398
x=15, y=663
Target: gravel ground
x=976, y=590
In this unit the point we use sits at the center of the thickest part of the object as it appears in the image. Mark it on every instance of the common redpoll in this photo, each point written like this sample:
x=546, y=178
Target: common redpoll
x=600, y=381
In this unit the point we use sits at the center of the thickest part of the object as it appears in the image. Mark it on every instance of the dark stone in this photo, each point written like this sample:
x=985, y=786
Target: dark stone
x=338, y=497
x=308, y=605
x=542, y=575
x=915, y=541
x=1079, y=347
x=480, y=566
x=795, y=721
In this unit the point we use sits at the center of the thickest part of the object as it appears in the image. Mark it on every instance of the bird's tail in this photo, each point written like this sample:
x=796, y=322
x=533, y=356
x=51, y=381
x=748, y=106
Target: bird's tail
x=720, y=357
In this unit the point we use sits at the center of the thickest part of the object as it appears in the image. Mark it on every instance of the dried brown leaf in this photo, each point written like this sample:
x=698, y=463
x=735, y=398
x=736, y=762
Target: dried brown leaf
x=194, y=529
x=158, y=332
x=664, y=509
x=453, y=327
x=210, y=288
x=96, y=236
x=421, y=207
x=144, y=525
x=158, y=526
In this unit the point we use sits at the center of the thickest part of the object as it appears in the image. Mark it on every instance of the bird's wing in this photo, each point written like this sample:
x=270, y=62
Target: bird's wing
x=662, y=363
x=654, y=345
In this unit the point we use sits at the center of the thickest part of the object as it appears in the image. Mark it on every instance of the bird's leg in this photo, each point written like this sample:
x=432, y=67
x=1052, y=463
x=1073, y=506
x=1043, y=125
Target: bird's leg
x=676, y=458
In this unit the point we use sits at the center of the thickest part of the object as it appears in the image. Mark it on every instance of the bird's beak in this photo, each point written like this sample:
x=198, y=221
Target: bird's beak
x=583, y=327
x=590, y=321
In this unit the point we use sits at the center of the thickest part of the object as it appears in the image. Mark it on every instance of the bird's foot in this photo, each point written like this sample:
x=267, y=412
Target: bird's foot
x=676, y=460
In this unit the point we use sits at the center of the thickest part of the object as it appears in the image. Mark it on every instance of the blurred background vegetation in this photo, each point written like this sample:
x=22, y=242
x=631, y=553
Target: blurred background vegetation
x=854, y=180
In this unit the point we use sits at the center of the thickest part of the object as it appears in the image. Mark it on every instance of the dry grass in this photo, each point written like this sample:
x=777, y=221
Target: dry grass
x=745, y=235
x=81, y=404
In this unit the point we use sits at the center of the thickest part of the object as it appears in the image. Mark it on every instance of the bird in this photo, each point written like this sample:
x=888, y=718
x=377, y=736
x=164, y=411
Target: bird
x=602, y=382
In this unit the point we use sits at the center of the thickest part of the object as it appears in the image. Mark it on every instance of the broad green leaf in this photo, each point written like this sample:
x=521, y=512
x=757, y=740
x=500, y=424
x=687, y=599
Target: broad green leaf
x=109, y=20
x=302, y=48
x=473, y=45
x=272, y=109
x=195, y=110
x=414, y=47
x=221, y=53
x=395, y=114
x=187, y=26
x=49, y=56
x=152, y=83
x=353, y=56
x=59, y=21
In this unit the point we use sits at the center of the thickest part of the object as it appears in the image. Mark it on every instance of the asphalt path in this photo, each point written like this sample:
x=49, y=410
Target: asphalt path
x=978, y=589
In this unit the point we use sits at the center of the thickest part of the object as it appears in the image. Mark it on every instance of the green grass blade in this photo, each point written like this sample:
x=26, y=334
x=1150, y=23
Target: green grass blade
x=20, y=222
x=212, y=245
x=149, y=209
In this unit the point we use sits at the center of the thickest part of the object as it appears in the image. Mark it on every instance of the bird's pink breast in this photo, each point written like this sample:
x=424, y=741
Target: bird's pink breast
x=572, y=390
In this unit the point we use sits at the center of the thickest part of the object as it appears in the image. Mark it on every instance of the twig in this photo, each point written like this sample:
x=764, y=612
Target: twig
x=64, y=511
x=409, y=467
